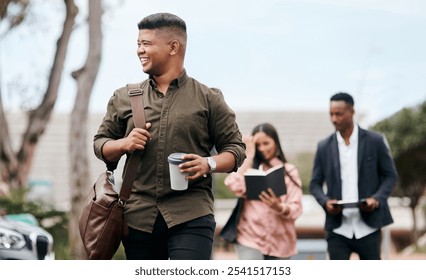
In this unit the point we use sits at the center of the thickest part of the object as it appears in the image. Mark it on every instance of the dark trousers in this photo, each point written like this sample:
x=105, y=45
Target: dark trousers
x=341, y=248
x=192, y=240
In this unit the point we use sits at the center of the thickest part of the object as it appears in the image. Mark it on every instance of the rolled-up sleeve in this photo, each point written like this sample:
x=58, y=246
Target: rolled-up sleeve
x=223, y=126
x=112, y=126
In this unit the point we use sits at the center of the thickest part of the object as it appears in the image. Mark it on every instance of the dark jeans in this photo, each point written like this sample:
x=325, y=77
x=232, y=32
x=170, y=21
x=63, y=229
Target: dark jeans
x=192, y=240
x=341, y=248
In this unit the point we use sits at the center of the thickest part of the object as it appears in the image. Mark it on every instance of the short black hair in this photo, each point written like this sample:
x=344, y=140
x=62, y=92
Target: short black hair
x=163, y=21
x=343, y=96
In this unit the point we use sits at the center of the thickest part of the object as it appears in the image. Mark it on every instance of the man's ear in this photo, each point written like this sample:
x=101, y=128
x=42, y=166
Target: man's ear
x=174, y=47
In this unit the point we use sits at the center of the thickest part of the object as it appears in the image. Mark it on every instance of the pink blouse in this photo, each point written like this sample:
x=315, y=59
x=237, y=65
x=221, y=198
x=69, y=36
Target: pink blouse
x=263, y=228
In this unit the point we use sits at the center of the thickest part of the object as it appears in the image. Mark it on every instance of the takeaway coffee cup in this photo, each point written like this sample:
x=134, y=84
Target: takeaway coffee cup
x=178, y=180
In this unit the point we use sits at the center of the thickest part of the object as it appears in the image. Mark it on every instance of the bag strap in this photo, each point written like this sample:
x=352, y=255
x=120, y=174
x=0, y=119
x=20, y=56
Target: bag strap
x=135, y=93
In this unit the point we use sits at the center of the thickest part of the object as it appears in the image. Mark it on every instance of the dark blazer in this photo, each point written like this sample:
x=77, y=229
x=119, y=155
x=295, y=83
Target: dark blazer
x=376, y=177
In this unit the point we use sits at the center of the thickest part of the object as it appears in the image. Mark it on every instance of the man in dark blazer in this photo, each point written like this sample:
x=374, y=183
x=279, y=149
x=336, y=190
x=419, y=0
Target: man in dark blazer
x=356, y=167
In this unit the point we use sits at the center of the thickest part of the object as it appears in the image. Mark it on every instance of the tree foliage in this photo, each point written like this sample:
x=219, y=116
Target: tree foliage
x=405, y=130
x=406, y=134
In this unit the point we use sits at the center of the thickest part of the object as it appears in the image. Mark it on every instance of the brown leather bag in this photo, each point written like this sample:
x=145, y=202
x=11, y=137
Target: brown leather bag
x=102, y=223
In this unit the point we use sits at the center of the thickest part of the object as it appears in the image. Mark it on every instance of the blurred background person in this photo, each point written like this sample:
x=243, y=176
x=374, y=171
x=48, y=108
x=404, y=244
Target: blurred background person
x=266, y=227
x=356, y=165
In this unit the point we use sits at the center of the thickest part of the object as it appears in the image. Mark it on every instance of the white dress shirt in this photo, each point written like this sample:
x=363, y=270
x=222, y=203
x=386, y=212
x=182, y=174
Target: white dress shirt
x=352, y=223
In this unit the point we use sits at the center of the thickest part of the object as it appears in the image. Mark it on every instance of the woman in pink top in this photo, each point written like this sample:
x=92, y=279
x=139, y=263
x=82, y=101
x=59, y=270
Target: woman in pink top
x=266, y=229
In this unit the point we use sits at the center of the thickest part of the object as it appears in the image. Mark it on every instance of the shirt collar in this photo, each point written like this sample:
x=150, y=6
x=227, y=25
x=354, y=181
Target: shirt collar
x=353, y=139
x=178, y=82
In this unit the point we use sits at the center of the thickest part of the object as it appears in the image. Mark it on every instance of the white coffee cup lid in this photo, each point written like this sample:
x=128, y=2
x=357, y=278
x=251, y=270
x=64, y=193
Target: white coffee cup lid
x=176, y=158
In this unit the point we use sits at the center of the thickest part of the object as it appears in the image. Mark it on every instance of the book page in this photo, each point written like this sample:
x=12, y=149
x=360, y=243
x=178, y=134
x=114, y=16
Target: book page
x=253, y=171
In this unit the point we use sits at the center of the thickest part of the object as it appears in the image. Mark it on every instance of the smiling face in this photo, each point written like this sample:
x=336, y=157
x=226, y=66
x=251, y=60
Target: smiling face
x=265, y=145
x=153, y=51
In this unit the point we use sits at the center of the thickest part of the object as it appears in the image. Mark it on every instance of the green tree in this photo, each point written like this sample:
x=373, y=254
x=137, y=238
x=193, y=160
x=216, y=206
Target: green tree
x=406, y=134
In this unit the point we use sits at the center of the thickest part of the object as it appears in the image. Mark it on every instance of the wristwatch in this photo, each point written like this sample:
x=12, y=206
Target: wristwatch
x=212, y=164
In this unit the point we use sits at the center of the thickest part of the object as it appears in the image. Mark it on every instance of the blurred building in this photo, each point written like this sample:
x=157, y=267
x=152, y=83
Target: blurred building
x=299, y=133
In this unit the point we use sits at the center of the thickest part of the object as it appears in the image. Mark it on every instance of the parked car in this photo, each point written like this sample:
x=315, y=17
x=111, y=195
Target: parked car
x=24, y=241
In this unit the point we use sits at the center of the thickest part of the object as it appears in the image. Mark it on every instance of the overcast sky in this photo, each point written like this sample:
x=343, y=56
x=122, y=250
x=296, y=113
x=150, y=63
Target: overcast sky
x=265, y=55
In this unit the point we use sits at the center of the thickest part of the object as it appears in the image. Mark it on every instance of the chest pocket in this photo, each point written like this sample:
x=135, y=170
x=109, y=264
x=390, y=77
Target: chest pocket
x=189, y=131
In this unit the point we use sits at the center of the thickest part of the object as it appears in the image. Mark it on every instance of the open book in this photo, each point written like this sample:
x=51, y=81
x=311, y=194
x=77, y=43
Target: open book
x=258, y=181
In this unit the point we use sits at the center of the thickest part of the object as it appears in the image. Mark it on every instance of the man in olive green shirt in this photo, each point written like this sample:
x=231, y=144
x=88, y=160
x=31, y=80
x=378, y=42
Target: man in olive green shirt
x=182, y=115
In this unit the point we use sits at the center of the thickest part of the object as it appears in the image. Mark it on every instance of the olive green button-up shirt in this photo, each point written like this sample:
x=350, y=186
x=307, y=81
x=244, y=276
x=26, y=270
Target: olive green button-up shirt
x=190, y=118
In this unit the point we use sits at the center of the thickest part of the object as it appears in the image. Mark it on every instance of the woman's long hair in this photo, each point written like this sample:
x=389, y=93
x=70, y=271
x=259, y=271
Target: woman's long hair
x=270, y=131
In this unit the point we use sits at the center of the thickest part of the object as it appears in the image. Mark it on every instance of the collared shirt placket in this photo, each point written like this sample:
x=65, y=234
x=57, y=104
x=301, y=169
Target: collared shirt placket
x=162, y=136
